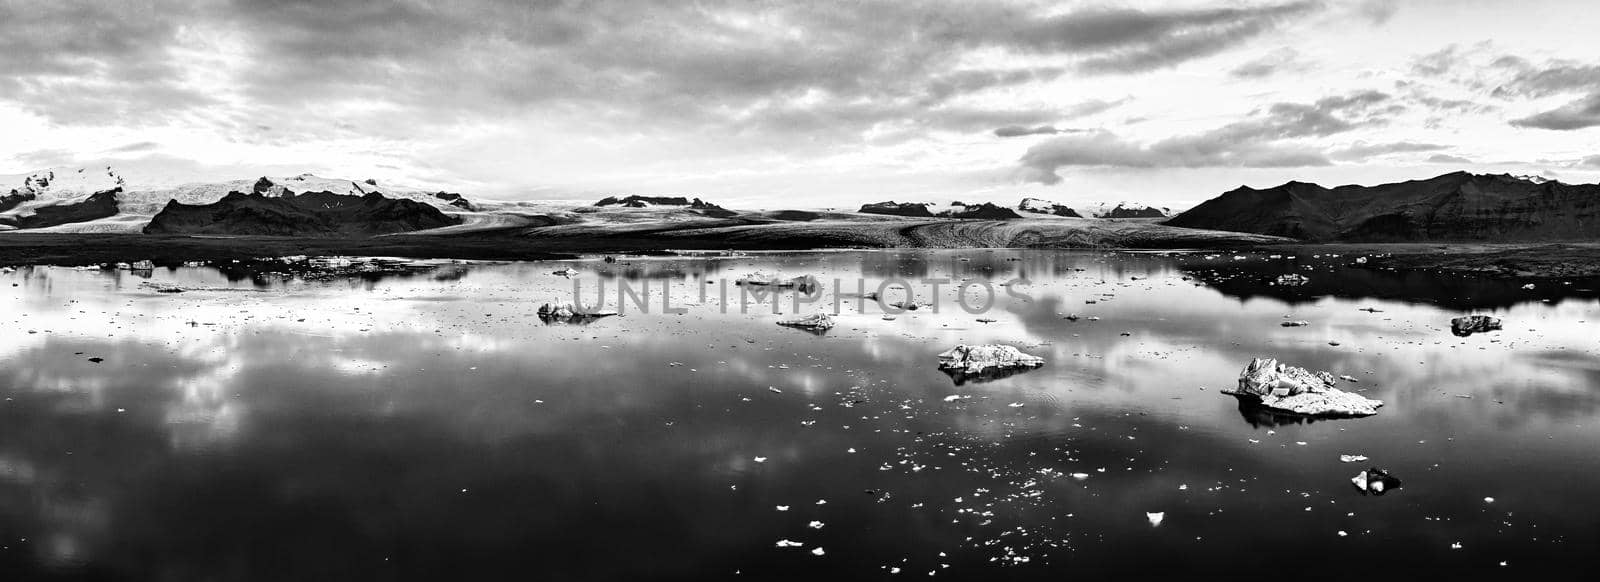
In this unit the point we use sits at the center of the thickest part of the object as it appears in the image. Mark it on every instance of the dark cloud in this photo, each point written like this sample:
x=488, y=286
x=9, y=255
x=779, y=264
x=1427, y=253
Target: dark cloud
x=1363, y=150
x=85, y=61
x=1452, y=105
x=715, y=64
x=1020, y=131
x=1170, y=38
x=1326, y=116
x=1264, y=140
x=1084, y=109
x=1553, y=79
x=1278, y=61
x=1041, y=162
x=1447, y=159
x=1579, y=114
x=142, y=146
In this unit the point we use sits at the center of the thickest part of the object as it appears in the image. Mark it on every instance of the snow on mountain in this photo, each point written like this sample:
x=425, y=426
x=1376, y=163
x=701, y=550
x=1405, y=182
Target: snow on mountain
x=23, y=194
x=1122, y=209
x=1040, y=206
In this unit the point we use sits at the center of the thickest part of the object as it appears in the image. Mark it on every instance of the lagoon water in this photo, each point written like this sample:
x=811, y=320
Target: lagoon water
x=432, y=426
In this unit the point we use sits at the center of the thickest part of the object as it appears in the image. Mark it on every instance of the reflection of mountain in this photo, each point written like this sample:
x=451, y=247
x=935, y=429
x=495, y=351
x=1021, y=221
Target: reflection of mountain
x=1451, y=291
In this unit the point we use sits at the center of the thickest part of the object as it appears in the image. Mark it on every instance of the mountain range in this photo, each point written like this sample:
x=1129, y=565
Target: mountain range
x=1453, y=207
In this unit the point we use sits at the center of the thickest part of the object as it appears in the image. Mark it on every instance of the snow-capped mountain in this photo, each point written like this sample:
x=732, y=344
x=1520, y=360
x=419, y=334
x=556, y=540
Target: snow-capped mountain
x=1041, y=206
x=65, y=191
x=1123, y=209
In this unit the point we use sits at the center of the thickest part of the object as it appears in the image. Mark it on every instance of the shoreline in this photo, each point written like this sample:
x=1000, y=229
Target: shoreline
x=1494, y=260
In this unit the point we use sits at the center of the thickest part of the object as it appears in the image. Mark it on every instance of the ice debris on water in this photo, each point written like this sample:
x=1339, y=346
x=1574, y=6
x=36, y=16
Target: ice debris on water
x=1375, y=481
x=1471, y=324
x=977, y=359
x=1155, y=517
x=815, y=321
x=1293, y=389
x=789, y=544
x=1352, y=458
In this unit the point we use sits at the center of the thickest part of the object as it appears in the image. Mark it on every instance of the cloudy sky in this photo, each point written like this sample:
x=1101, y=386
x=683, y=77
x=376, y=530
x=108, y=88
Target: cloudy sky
x=807, y=103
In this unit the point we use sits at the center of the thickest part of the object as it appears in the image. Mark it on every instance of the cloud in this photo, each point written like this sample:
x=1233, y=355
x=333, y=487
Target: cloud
x=83, y=61
x=1438, y=63
x=1579, y=114
x=1591, y=161
x=46, y=158
x=1553, y=79
x=305, y=67
x=1170, y=38
x=1257, y=142
x=1363, y=150
x=1084, y=109
x=1447, y=159
x=1378, y=11
x=1278, y=61
x=142, y=146
x=1104, y=149
x=1020, y=131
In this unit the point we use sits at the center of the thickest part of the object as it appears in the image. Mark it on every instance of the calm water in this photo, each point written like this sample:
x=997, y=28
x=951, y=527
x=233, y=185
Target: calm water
x=432, y=427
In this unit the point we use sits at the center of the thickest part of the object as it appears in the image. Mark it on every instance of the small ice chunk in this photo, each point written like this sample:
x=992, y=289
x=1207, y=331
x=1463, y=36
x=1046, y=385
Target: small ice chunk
x=1155, y=517
x=815, y=525
x=789, y=544
x=761, y=459
x=1352, y=458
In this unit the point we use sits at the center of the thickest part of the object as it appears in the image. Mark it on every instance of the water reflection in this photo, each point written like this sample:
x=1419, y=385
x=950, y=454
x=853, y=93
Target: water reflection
x=432, y=426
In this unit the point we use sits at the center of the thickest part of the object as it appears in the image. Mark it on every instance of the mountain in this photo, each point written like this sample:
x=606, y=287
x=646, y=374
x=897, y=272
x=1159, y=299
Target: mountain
x=1123, y=211
x=915, y=209
x=1453, y=207
x=63, y=199
x=455, y=200
x=313, y=214
x=637, y=201
x=985, y=210
x=1038, y=206
x=59, y=196
x=99, y=205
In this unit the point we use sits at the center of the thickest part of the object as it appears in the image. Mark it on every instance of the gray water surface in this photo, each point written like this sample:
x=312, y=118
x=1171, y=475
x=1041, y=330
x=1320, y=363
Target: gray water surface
x=432, y=426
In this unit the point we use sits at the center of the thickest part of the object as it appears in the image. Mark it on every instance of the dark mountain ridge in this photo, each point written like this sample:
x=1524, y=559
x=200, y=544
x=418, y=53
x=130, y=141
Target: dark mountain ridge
x=1453, y=207
x=1134, y=212
x=312, y=214
x=99, y=205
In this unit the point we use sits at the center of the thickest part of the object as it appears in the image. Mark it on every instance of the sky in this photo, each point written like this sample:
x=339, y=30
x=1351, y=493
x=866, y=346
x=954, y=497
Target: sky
x=804, y=104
